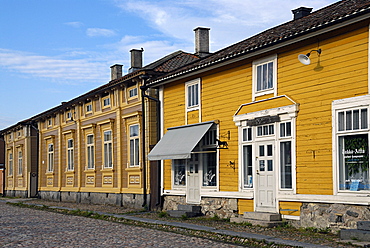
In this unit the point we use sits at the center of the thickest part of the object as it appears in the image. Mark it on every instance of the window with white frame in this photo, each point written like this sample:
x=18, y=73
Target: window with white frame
x=134, y=145
x=192, y=94
x=286, y=180
x=265, y=75
x=132, y=92
x=70, y=158
x=10, y=164
x=50, y=157
x=108, y=149
x=106, y=102
x=90, y=151
x=69, y=115
x=266, y=130
x=352, y=138
x=88, y=107
x=20, y=163
x=179, y=177
x=209, y=157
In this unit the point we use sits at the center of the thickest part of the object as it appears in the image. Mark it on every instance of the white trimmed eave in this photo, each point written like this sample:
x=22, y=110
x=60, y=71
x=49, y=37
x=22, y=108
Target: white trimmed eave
x=262, y=49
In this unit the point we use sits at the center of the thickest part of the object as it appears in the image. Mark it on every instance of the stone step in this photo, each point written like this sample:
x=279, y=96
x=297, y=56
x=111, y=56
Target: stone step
x=363, y=225
x=355, y=234
x=189, y=208
x=181, y=213
x=263, y=216
x=254, y=222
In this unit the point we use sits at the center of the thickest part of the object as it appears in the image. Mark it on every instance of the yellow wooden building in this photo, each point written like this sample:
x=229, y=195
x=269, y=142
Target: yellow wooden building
x=19, y=148
x=276, y=123
x=91, y=148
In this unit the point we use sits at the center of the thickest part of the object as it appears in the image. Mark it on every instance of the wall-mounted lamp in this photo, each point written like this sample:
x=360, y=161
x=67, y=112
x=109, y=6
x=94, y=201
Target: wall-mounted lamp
x=305, y=58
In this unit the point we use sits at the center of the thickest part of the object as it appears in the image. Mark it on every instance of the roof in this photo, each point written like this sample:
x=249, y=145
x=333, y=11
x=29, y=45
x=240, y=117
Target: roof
x=325, y=17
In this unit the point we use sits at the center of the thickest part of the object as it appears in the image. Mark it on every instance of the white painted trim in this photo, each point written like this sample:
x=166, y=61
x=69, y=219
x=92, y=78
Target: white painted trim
x=291, y=110
x=160, y=97
x=255, y=63
x=187, y=84
x=357, y=199
x=223, y=194
x=291, y=217
x=342, y=104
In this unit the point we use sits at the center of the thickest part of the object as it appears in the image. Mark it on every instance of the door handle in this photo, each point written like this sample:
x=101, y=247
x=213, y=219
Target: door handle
x=258, y=172
x=188, y=173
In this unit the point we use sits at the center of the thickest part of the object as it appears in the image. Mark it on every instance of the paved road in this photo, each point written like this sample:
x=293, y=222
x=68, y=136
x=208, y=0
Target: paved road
x=23, y=227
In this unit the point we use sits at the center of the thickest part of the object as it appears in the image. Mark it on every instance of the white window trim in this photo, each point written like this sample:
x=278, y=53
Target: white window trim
x=90, y=146
x=132, y=89
x=20, y=163
x=70, y=164
x=190, y=83
x=338, y=105
x=50, y=164
x=134, y=138
x=254, y=77
x=109, y=166
x=286, y=114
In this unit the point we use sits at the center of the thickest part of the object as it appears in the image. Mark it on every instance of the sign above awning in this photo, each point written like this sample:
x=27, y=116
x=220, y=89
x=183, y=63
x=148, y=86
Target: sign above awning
x=179, y=142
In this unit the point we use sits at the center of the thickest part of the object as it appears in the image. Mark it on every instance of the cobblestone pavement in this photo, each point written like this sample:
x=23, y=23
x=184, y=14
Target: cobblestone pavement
x=23, y=227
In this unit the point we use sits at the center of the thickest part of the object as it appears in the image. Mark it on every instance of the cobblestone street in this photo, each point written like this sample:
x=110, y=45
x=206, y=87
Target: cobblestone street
x=22, y=227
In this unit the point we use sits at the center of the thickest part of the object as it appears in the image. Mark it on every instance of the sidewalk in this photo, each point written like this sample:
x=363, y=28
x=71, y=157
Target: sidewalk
x=246, y=235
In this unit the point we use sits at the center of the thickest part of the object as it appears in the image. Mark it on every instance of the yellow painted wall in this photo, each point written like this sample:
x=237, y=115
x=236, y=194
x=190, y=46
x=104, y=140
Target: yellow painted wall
x=245, y=206
x=341, y=71
x=289, y=208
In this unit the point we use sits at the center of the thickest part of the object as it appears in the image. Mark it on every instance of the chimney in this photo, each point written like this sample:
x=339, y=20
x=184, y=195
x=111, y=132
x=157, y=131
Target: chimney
x=301, y=12
x=115, y=72
x=201, y=41
x=136, y=60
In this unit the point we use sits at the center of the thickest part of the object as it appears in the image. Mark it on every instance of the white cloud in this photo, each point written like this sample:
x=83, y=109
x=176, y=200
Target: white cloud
x=230, y=20
x=92, y=32
x=74, y=24
x=60, y=69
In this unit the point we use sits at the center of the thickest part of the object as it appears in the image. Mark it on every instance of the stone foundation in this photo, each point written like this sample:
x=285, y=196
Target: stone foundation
x=16, y=193
x=221, y=207
x=333, y=216
x=134, y=201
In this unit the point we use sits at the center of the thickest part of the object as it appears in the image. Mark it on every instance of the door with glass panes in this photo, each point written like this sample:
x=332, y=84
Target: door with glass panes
x=265, y=199
x=193, y=184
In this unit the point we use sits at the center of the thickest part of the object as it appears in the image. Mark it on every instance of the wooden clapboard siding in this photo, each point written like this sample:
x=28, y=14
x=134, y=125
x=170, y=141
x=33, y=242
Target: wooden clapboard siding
x=288, y=208
x=222, y=94
x=245, y=206
x=343, y=73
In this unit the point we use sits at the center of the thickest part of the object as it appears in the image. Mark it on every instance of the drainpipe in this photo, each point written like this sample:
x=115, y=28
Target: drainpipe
x=143, y=88
x=37, y=159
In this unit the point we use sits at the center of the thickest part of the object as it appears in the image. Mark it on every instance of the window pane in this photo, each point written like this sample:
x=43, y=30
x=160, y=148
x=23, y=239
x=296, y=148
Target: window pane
x=262, y=151
x=356, y=119
x=270, y=75
x=264, y=77
x=262, y=165
x=195, y=94
x=271, y=129
x=179, y=172
x=134, y=131
x=364, y=118
x=259, y=78
x=136, y=151
x=269, y=165
x=349, y=120
x=341, y=121
x=354, y=162
x=265, y=130
x=288, y=129
x=259, y=131
x=269, y=150
x=209, y=171
x=282, y=130
x=285, y=165
x=247, y=166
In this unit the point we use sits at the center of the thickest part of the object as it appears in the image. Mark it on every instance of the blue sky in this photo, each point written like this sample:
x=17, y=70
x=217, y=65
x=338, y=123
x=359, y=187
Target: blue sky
x=55, y=50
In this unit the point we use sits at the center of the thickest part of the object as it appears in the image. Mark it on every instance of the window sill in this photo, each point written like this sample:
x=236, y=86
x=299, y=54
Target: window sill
x=90, y=170
x=49, y=173
x=70, y=172
x=107, y=170
x=136, y=168
x=192, y=109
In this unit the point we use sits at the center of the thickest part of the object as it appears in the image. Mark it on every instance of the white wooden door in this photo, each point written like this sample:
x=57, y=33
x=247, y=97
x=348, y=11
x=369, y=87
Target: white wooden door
x=193, y=184
x=265, y=172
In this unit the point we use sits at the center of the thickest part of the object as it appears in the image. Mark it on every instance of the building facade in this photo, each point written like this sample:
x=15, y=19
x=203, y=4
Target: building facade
x=251, y=128
x=20, y=160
